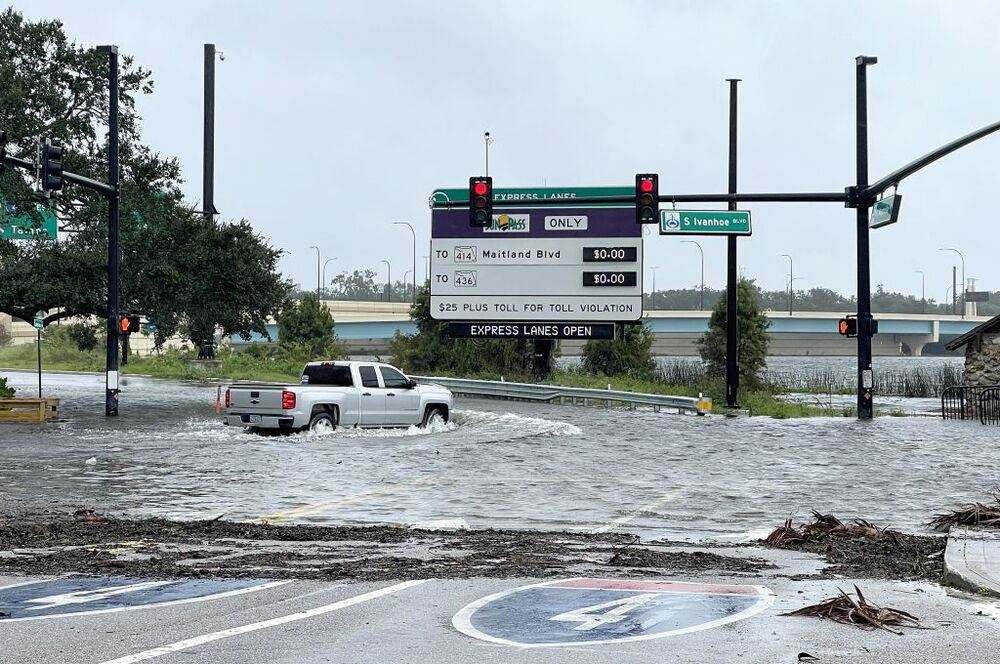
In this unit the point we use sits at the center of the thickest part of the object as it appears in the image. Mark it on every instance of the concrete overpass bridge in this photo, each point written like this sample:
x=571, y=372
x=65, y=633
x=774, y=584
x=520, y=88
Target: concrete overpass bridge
x=367, y=327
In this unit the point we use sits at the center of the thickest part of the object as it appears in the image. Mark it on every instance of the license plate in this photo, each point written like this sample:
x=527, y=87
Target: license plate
x=254, y=419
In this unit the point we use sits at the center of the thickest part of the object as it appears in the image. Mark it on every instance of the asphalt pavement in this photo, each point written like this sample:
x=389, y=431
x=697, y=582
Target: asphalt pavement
x=305, y=622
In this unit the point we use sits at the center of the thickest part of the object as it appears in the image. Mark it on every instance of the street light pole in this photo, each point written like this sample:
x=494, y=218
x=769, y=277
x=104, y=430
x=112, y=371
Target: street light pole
x=923, y=298
x=652, y=293
x=325, y=263
x=317, y=269
x=414, y=234
x=955, y=294
x=488, y=141
x=791, y=284
x=388, y=281
x=208, y=169
x=700, y=251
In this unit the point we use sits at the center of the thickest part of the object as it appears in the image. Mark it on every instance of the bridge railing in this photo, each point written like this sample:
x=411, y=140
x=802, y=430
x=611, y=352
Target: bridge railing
x=533, y=392
x=966, y=402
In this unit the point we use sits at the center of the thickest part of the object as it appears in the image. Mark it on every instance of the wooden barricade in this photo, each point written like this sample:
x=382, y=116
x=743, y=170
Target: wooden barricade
x=28, y=410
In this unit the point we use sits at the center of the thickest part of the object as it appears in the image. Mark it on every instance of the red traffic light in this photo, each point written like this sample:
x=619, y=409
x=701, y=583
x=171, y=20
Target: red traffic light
x=480, y=201
x=646, y=185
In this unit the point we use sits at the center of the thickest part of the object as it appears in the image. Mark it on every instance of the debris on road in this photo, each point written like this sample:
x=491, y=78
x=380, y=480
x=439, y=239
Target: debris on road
x=858, y=611
x=862, y=549
x=974, y=514
x=823, y=526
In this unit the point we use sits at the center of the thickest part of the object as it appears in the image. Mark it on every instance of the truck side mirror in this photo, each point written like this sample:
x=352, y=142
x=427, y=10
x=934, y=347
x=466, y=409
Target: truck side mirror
x=410, y=384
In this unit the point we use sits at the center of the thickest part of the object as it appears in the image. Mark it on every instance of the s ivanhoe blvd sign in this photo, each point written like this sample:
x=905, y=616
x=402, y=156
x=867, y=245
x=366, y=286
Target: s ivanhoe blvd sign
x=704, y=222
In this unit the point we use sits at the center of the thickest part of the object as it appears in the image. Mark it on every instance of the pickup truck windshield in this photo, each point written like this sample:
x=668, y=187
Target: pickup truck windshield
x=322, y=374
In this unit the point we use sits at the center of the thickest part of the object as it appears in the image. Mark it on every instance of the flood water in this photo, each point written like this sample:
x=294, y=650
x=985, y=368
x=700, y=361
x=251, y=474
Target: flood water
x=502, y=464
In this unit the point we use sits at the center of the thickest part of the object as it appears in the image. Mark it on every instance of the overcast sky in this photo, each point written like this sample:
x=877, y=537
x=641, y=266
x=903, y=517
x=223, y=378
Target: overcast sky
x=321, y=104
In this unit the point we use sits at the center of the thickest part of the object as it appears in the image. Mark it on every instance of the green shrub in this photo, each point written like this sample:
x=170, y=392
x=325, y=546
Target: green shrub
x=5, y=391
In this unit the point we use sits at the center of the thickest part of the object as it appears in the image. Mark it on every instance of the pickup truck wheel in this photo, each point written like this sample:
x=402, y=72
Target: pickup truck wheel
x=434, y=414
x=322, y=423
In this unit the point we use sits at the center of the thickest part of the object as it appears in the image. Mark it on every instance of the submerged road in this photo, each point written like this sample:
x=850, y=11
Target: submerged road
x=498, y=464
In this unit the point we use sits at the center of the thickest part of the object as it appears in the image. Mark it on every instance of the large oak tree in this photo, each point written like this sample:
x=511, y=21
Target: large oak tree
x=187, y=273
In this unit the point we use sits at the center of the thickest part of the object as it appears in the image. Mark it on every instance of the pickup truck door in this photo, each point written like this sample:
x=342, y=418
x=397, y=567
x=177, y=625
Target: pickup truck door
x=402, y=404
x=372, y=397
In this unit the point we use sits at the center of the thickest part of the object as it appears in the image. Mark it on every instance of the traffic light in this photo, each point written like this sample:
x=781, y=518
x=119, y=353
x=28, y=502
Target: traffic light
x=848, y=327
x=128, y=324
x=480, y=201
x=52, y=169
x=647, y=198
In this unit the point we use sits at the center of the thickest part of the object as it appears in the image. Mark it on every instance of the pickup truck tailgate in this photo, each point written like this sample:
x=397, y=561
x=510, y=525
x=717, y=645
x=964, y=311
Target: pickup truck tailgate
x=255, y=398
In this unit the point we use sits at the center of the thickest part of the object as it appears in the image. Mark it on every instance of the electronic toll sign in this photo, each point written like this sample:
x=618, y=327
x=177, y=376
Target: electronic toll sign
x=555, y=265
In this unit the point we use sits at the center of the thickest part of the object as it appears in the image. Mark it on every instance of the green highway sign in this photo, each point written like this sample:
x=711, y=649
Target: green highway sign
x=885, y=211
x=541, y=194
x=21, y=227
x=704, y=222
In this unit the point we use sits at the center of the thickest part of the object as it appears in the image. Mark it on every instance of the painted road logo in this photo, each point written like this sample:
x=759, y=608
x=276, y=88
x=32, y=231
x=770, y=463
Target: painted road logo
x=75, y=596
x=509, y=223
x=578, y=612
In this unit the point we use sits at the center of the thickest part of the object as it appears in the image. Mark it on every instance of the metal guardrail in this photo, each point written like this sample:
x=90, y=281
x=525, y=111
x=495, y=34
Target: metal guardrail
x=532, y=392
x=964, y=402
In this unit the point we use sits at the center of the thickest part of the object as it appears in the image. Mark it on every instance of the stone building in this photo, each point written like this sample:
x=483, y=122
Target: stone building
x=982, y=353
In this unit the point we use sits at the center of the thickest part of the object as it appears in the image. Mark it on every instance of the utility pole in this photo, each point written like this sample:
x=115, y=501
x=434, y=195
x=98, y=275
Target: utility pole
x=114, y=251
x=866, y=378
x=732, y=312
x=923, y=296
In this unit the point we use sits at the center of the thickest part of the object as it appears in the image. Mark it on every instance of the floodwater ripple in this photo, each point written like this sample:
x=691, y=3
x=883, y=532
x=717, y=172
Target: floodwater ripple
x=502, y=464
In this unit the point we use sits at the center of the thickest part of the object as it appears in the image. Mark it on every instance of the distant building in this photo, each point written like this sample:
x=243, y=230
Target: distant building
x=982, y=353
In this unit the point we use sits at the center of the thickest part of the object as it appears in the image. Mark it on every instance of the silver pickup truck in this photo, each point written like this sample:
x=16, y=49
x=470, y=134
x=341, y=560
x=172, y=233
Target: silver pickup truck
x=337, y=394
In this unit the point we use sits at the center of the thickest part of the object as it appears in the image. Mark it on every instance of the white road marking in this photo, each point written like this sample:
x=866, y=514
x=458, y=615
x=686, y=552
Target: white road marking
x=177, y=646
x=625, y=518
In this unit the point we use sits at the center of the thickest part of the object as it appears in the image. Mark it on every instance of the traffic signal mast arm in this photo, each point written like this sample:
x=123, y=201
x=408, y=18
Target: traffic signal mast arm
x=872, y=191
x=831, y=197
x=29, y=165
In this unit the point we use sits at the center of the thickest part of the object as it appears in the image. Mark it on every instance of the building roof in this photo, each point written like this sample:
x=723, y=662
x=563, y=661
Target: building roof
x=992, y=325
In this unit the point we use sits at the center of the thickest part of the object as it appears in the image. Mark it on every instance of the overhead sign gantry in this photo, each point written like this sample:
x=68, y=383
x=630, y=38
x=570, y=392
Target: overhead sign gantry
x=551, y=271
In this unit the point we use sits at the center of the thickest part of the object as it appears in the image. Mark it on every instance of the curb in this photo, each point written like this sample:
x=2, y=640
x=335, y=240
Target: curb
x=972, y=560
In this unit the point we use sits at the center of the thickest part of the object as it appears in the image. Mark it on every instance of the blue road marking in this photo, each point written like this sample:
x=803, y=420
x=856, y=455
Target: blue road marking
x=74, y=596
x=592, y=611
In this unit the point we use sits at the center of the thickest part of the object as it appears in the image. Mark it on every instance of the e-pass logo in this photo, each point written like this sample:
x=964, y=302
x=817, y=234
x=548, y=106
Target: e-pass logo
x=74, y=596
x=509, y=223
x=671, y=221
x=577, y=612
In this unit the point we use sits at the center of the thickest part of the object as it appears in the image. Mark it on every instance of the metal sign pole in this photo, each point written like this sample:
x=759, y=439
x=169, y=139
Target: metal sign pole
x=866, y=380
x=114, y=251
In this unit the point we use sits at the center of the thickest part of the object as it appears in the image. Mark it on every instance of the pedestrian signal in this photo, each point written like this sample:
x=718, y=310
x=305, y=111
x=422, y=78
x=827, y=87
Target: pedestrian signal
x=848, y=327
x=128, y=324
